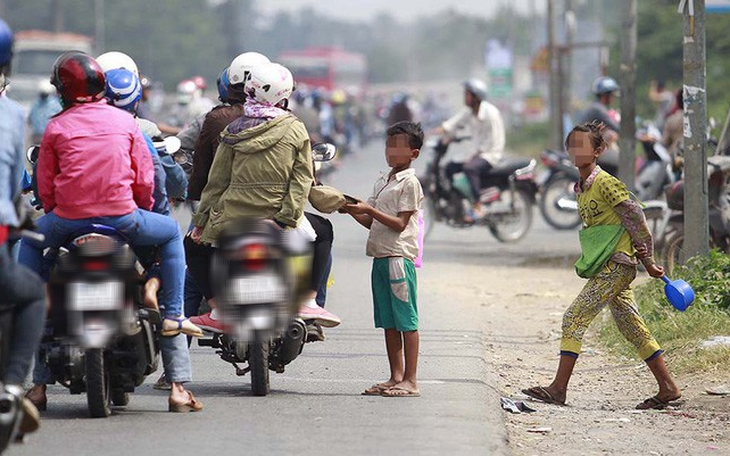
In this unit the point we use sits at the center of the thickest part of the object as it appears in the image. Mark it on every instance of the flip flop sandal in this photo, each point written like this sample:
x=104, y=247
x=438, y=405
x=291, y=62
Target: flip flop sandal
x=654, y=403
x=197, y=332
x=541, y=394
x=190, y=406
x=394, y=392
x=375, y=390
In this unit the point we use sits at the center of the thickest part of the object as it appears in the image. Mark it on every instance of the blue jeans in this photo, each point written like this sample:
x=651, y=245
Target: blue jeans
x=141, y=228
x=23, y=291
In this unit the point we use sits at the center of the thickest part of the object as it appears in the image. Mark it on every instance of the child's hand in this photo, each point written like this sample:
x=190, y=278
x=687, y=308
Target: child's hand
x=358, y=208
x=655, y=271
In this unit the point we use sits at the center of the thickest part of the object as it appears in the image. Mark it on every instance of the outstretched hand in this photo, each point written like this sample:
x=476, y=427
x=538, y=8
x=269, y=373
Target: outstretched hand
x=358, y=208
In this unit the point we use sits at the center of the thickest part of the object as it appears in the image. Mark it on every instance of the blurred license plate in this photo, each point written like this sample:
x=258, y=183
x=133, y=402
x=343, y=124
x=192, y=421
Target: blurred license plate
x=256, y=289
x=99, y=296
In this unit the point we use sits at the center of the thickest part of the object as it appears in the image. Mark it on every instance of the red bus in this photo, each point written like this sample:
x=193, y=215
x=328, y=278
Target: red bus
x=327, y=68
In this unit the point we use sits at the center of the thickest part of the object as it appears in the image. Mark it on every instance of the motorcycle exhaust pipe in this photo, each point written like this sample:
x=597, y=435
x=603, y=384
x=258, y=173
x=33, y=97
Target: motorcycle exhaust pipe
x=293, y=341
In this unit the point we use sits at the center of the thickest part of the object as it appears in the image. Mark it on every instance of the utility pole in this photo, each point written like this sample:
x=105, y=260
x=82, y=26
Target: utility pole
x=58, y=20
x=556, y=113
x=696, y=225
x=99, y=26
x=627, y=80
x=567, y=54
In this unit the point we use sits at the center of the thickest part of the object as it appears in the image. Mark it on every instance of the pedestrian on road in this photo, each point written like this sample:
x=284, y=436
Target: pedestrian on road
x=614, y=236
x=391, y=215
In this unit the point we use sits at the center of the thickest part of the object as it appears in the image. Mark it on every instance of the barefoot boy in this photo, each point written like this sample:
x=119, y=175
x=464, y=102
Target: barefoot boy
x=391, y=215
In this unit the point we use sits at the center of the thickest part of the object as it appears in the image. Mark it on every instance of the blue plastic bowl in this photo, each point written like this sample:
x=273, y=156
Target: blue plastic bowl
x=679, y=293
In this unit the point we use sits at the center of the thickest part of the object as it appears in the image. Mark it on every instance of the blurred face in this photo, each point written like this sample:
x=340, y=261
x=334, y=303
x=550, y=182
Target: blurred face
x=468, y=98
x=398, y=152
x=581, y=149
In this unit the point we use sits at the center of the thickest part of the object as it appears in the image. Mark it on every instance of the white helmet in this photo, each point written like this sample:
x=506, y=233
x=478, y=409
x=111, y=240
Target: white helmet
x=242, y=65
x=113, y=60
x=270, y=83
x=45, y=87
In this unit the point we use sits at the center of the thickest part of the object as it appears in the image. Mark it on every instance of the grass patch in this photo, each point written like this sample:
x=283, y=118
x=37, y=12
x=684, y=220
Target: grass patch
x=681, y=333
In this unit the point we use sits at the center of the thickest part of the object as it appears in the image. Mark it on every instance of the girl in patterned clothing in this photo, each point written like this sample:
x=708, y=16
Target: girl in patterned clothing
x=614, y=238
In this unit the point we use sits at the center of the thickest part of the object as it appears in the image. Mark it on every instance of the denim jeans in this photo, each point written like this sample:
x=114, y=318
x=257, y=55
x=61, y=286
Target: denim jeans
x=24, y=291
x=142, y=228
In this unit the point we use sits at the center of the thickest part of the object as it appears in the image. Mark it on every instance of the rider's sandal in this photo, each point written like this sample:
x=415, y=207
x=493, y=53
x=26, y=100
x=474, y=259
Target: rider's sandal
x=191, y=405
x=173, y=326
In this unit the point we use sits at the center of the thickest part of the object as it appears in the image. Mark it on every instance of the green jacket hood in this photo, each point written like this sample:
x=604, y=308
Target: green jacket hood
x=251, y=135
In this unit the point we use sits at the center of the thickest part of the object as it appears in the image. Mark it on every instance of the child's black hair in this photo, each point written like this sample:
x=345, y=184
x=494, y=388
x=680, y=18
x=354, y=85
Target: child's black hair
x=595, y=128
x=411, y=129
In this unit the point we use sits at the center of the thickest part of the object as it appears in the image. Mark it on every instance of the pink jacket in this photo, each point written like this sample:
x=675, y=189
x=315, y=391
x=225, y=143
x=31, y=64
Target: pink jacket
x=94, y=162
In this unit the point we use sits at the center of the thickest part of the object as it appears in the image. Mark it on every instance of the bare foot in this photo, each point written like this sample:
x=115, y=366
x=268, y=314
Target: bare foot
x=403, y=389
x=547, y=394
x=378, y=388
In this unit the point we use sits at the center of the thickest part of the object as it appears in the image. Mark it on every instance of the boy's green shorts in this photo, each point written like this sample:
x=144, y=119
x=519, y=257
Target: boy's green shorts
x=394, y=294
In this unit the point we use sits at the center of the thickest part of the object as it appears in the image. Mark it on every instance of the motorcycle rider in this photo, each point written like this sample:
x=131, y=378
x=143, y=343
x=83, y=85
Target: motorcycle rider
x=80, y=185
x=45, y=107
x=488, y=136
x=605, y=90
x=253, y=172
x=22, y=291
x=232, y=95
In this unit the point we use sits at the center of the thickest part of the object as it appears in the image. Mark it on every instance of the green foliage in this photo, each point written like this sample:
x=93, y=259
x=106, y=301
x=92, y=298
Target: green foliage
x=680, y=333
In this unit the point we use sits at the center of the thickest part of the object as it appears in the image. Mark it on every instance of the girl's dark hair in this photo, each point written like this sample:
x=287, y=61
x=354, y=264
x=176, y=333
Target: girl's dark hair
x=595, y=129
x=410, y=129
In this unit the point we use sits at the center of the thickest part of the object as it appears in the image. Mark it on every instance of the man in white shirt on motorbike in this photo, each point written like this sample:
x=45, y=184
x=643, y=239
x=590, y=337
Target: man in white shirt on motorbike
x=488, y=136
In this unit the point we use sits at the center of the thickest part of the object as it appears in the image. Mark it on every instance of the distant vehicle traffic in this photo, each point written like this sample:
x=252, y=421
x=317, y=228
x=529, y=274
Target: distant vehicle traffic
x=35, y=53
x=327, y=68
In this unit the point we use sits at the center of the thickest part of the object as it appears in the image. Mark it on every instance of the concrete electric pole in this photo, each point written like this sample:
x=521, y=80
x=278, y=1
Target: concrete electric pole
x=627, y=81
x=696, y=224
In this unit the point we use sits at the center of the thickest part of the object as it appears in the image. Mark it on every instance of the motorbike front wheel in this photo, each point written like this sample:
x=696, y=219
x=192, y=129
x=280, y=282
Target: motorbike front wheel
x=258, y=361
x=515, y=225
x=556, y=191
x=98, y=384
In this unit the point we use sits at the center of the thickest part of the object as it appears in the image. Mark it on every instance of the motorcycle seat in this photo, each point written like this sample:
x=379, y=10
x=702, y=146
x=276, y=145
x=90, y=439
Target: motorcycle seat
x=508, y=166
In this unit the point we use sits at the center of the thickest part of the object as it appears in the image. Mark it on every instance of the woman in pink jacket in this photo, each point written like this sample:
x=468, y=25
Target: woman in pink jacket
x=94, y=167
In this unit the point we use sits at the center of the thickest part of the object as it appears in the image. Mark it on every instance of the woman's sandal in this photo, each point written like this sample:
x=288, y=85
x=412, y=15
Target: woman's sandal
x=375, y=390
x=656, y=404
x=542, y=394
x=183, y=326
x=191, y=405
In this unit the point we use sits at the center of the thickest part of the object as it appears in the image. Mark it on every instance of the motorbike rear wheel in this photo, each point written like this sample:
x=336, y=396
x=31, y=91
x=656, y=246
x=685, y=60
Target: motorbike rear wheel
x=98, y=384
x=556, y=188
x=258, y=361
x=518, y=223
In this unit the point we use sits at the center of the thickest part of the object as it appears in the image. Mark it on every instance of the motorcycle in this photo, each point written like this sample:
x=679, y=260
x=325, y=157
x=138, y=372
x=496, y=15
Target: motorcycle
x=259, y=273
x=11, y=396
x=100, y=340
x=508, y=193
x=558, y=203
x=718, y=169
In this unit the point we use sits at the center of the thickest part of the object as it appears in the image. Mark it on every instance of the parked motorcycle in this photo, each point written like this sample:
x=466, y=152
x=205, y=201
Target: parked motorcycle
x=718, y=169
x=259, y=273
x=508, y=193
x=100, y=339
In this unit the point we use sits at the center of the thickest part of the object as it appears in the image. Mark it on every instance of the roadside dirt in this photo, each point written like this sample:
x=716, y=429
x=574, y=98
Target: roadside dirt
x=522, y=309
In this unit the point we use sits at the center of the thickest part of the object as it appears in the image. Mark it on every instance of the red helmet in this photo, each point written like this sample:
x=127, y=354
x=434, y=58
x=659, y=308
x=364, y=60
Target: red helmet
x=78, y=78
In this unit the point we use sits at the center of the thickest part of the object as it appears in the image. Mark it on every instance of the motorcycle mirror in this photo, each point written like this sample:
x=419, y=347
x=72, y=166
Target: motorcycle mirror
x=32, y=153
x=323, y=152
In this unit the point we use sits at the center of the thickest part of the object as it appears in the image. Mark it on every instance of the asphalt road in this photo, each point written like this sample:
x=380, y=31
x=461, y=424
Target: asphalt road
x=315, y=407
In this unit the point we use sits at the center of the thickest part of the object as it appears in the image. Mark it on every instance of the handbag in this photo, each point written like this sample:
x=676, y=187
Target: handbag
x=598, y=244
x=326, y=199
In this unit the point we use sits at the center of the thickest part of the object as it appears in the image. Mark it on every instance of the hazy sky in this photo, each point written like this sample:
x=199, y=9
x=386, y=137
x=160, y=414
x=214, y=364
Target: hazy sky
x=367, y=9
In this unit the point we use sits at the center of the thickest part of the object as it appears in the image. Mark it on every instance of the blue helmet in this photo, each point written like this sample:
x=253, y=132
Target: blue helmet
x=6, y=45
x=604, y=85
x=223, y=84
x=123, y=88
